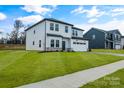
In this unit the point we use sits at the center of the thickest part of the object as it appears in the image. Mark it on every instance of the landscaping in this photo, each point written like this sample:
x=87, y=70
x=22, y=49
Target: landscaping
x=108, y=50
x=114, y=80
x=19, y=67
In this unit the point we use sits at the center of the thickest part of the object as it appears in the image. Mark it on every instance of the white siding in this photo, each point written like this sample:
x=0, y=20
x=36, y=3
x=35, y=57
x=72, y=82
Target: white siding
x=61, y=29
x=49, y=38
x=39, y=35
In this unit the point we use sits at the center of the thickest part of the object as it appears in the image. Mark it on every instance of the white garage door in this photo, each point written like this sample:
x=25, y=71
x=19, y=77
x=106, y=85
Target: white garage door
x=79, y=45
x=117, y=47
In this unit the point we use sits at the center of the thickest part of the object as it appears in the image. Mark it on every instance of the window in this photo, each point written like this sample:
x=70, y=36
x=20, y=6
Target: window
x=76, y=33
x=73, y=32
x=57, y=43
x=52, y=43
x=51, y=26
x=66, y=29
x=56, y=27
x=33, y=42
x=39, y=43
x=34, y=31
x=93, y=37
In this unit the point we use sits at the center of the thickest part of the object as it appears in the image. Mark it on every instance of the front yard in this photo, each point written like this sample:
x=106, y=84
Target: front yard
x=23, y=67
x=114, y=80
x=108, y=50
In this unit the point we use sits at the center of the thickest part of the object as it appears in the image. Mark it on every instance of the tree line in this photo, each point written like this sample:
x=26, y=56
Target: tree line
x=15, y=36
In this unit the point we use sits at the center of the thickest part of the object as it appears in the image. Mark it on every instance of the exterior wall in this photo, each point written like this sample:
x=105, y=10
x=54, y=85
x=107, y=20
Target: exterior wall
x=39, y=35
x=48, y=42
x=117, y=42
x=82, y=46
x=122, y=43
x=79, y=32
x=98, y=41
x=61, y=29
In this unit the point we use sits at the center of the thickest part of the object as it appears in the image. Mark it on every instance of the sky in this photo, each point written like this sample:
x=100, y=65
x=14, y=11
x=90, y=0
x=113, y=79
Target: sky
x=106, y=17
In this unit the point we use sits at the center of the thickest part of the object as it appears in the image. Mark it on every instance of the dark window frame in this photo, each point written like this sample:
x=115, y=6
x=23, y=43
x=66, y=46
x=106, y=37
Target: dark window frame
x=39, y=43
x=33, y=43
x=56, y=27
x=52, y=43
x=51, y=26
x=57, y=43
x=66, y=29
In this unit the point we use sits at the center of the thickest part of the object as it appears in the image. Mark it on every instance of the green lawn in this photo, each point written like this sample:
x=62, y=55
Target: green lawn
x=115, y=80
x=23, y=67
x=108, y=50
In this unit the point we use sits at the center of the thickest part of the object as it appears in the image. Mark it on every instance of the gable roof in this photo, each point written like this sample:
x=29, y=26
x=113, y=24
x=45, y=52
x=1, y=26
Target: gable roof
x=115, y=30
x=105, y=31
x=48, y=19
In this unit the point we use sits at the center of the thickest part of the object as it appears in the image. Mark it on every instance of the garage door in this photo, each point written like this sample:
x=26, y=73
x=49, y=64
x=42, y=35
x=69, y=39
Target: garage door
x=117, y=46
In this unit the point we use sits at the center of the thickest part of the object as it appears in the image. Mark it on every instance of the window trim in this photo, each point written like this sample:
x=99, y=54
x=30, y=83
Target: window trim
x=56, y=27
x=66, y=29
x=57, y=43
x=52, y=43
x=52, y=26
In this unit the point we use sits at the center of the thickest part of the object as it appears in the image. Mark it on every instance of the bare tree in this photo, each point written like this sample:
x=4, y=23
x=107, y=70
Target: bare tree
x=15, y=33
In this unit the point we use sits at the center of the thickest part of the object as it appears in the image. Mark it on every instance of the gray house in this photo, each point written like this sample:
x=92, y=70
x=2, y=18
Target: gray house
x=101, y=39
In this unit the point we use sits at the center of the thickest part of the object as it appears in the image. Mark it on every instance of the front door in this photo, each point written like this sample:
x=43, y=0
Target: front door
x=63, y=45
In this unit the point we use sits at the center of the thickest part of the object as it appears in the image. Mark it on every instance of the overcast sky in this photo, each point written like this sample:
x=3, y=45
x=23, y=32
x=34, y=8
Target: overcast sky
x=86, y=16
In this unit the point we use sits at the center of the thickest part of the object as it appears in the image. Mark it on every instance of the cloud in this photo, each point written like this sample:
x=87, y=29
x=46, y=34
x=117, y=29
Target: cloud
x=93, y=12
x=114, y=24
x=2, y=16
x=117, y=11
x=30, y=19
x=1, y=30
x=39, y=9
x=92, y=20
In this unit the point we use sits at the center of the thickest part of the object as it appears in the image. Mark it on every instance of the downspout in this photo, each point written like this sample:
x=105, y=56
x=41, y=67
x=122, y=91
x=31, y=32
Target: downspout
x=45, y=35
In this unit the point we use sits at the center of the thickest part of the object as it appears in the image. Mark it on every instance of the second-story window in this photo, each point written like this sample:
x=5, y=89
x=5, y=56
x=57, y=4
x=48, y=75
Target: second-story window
x=73, y=33
x=56, y=27
x=66, y=29
x=76, y=33
x=51, y=26
x=34, y=31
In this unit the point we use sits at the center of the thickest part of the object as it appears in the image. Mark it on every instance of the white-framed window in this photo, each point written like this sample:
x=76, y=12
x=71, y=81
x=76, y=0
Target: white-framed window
x=57, y=43
x=66, y=29
x=51, y=26
x=52, y=42
x=56, y=27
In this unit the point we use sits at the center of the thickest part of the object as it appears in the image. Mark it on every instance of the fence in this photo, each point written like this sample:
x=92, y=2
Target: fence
x=12, y=46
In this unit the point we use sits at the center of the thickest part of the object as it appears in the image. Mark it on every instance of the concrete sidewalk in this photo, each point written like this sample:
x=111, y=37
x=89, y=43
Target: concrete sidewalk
x=77, y=79
x=114, y=54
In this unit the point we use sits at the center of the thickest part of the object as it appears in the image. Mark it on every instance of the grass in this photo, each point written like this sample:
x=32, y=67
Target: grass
x=23, y=67
x=114, y=80
x=108, y=50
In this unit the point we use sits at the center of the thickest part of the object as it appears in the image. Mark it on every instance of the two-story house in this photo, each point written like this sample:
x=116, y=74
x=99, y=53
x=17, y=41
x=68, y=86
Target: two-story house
x=101, y=39
x=54, y=35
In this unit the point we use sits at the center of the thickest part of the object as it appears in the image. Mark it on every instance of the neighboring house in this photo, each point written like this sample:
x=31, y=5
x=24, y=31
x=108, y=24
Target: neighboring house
x=54, y=35
x=122, y=42
x=101, y=39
